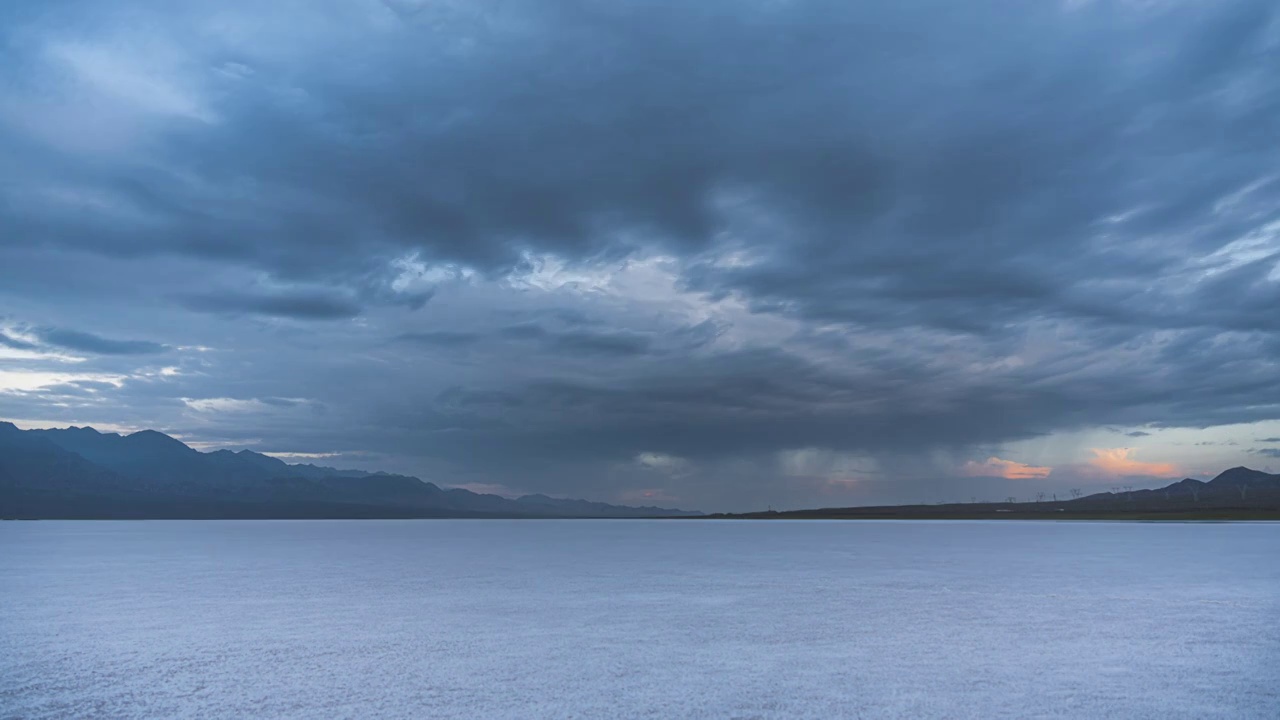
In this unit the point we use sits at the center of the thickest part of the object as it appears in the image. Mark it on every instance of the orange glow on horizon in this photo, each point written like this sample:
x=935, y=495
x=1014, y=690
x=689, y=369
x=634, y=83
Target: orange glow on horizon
x=1116, y=461
x=1008, y=469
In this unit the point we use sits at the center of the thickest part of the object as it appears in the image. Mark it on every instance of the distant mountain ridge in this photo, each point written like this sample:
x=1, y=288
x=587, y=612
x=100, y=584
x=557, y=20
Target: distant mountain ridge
x=79, y=472
x=1236, y=492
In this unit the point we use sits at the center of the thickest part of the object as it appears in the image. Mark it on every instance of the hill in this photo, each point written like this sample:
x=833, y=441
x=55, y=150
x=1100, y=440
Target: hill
x=83, y=473
x=1240, y=493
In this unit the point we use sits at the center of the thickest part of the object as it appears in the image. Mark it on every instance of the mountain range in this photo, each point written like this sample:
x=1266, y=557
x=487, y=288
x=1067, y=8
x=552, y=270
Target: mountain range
x=79, y=472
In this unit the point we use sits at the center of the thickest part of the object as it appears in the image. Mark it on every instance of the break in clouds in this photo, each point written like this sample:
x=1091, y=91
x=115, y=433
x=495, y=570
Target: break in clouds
x=715, y=254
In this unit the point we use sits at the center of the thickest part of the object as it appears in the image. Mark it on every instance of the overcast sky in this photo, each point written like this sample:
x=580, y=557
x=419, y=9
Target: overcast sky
x=720, y=255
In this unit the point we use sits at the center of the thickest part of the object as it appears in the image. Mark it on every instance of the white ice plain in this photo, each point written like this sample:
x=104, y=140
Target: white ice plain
x=639, y=619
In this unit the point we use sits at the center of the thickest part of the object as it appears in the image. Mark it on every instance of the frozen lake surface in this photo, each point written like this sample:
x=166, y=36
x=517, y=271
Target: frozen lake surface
x=631, y=619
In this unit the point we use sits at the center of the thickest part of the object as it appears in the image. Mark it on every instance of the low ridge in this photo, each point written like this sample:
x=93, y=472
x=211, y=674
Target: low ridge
x=1237, y=493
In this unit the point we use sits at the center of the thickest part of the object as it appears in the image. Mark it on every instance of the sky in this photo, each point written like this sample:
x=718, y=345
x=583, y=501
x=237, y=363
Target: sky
x=721, y=255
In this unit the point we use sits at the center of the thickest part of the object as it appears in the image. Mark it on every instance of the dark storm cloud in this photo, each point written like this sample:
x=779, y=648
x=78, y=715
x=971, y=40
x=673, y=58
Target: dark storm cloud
x=459, y=397
x=581, y=341
x=933, y=224
x=857, y=127
x=440, y=338
x=571, y=317
x=524, y=331
x=765, y=401
x=619, y=343
x=88, y=342
x=302, y=306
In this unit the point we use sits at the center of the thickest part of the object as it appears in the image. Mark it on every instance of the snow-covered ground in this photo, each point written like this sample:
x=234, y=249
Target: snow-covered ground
x=628, y=619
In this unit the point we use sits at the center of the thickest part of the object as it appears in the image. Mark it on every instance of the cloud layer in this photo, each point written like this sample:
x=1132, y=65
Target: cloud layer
x=777, y=250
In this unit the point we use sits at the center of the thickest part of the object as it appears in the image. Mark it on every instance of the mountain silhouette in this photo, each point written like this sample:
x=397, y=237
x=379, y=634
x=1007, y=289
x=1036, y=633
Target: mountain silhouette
x=1238, y=476
x=79, y=472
